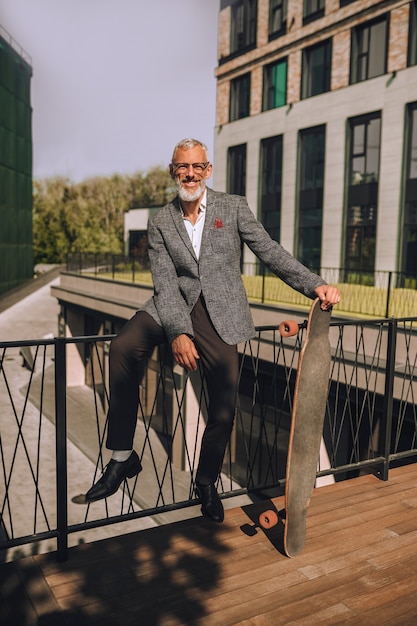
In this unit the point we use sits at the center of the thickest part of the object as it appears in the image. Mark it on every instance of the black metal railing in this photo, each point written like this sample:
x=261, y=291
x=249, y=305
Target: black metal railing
x=364, y=293
x=53, y=426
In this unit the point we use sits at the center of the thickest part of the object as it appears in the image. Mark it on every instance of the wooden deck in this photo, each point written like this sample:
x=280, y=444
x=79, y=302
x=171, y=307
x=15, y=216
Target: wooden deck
x=359, y=567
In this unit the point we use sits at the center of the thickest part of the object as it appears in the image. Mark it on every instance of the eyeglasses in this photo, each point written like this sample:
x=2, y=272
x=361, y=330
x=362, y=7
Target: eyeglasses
x=181, y=168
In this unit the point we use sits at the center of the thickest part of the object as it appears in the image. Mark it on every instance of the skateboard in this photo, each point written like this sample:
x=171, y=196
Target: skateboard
x=308, y=410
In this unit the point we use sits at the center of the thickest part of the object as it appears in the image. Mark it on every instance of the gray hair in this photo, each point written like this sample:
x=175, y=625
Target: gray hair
x=188, y=144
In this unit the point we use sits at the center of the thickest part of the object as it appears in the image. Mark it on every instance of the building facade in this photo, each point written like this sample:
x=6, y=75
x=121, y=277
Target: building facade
x=317, y=126
x=16, y=251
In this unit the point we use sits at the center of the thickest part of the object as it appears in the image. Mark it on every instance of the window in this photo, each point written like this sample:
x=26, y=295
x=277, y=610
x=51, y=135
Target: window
x=312, y=10
x=343, y=3
x=274, y=85
x=369, y=50
x=409, y=237
x=270, y=175
x=236, y=170
x=364, y=156
x=239, y=97
x=316, y=69
x=361, y=215
x=310, y=201
x=277, y=24
x=412, y=34
x=243, y=26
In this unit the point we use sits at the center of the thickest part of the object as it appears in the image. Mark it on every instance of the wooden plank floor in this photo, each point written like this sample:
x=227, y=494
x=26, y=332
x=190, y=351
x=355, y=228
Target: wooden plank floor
x=359, y=567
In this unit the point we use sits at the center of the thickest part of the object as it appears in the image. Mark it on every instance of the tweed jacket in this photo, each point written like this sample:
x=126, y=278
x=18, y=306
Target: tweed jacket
x=180, y=278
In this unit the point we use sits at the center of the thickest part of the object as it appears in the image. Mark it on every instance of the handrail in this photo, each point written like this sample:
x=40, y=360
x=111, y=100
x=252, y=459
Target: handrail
x=370, y=294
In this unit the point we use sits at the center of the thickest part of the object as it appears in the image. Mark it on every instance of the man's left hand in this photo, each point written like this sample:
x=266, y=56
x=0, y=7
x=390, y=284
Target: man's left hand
x=328, y=295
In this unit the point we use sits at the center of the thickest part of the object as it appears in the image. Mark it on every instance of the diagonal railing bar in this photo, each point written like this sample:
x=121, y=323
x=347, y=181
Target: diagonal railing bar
x=6, y=506
x=345, y=382
x=160, y=386
x=356, y=419
x=21, y=440
x=167, y=467
x=367, y=403
x=408, y=398
x=289, y=369
x=203, y=402
x=101, y=434
x=248, y=440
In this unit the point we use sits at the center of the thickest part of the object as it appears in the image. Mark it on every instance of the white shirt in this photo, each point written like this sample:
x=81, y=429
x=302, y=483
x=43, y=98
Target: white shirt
x=195, y=231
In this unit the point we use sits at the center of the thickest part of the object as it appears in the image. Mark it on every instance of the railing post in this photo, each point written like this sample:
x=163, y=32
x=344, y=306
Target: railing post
x=61, y=448
x=386, y=430
x=388, y=294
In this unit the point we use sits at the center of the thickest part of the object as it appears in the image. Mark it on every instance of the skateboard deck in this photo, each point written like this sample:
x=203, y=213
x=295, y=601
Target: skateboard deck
x=308, y=410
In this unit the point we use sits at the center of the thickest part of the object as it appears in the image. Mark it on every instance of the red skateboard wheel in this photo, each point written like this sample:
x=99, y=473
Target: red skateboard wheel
x=268, y=519
x=288, y=328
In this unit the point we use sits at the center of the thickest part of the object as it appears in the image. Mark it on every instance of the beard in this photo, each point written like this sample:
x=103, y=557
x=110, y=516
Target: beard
x=190, y=196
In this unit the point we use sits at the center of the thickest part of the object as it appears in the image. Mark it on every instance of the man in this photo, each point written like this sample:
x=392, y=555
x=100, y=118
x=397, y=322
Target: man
x=200, y=308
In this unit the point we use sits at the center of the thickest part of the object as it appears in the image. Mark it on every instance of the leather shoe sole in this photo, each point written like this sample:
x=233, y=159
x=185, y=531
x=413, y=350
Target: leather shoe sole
x=113, y=476
x=211, y=505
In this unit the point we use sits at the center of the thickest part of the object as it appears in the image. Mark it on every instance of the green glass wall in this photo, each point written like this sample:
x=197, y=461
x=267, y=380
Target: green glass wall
x=16, y=252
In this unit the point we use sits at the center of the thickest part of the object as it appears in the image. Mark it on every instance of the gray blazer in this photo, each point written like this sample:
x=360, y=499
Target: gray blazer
x=179, y=278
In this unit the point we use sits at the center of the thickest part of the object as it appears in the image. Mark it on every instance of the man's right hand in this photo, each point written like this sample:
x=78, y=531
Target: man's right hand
x=184, y=352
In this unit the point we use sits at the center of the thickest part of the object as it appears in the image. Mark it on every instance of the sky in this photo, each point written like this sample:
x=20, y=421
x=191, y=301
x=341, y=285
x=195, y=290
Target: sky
x=116, y=83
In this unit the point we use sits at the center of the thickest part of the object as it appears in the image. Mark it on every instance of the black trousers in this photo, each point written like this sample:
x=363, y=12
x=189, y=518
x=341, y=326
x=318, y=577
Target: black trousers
x=129, y=353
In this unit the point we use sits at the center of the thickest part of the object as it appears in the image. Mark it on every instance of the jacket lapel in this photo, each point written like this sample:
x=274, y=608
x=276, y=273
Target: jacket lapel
x=208, y=223
x=178, y=222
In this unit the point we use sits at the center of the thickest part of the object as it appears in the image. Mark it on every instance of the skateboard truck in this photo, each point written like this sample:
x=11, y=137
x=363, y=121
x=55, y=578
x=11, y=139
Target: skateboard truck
x=266, y=520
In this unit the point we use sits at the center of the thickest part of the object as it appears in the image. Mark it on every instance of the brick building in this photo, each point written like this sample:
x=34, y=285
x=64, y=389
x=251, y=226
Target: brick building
x=317, y=126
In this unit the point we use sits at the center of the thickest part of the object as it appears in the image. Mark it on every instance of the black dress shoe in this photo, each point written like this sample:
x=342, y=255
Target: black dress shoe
x=211, y=505
x=113, y=476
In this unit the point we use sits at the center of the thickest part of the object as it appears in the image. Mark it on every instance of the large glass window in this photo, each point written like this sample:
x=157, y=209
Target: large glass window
x=409, y=240
x=239, y=97
x=277, y=24
x=310, y=202
x=274, y=85
x=243, y=25
x=364, y=156
x=270, y=175
x=412, y=34
x=369, y=49
x=236, y=170
x=312, y=10
x=316, y=69
x=362, y=203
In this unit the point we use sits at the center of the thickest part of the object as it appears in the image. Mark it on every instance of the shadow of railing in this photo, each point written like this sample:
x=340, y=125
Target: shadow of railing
x=53, y=427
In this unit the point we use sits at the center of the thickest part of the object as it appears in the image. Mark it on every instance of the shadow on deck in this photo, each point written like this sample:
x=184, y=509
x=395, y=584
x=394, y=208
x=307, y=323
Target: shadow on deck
x=359, y=567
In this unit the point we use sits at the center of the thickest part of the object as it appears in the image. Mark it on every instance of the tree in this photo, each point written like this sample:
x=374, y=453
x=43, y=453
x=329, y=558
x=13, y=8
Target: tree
x=88, y=217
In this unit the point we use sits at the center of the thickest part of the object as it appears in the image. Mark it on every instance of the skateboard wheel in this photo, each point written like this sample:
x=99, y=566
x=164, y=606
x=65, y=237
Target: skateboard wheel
x=268, y=519
x=288, y=328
